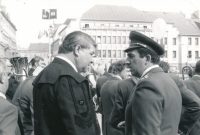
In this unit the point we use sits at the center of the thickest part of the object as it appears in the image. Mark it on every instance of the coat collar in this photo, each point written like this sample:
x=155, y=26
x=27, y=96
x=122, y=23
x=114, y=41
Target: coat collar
x=196, y=77
x=58, y=68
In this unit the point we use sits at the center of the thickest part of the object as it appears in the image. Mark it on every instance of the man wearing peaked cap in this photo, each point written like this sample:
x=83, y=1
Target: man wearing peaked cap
x=154, y=106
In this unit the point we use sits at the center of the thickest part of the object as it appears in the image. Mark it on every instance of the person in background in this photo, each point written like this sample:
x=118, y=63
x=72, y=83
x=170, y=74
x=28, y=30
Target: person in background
x=108, y=91
x=190, y=102
x=35, y=62
x=62, y=101
x=190, y=73
x=23, y=100
x=193, y=84
x=8, y=112
x=124, y=89
x=154, y=107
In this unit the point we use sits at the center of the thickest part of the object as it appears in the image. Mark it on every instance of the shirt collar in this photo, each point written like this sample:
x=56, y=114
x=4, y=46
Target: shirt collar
x=2, y=95
x=118, y=77
x=148, y=69
x=68, y=61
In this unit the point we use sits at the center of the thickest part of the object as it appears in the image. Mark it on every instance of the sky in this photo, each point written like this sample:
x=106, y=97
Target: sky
x=26, y=15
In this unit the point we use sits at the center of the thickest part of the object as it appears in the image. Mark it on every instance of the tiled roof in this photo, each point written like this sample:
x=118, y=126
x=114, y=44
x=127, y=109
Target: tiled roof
x=39, y=47
x=130, y=14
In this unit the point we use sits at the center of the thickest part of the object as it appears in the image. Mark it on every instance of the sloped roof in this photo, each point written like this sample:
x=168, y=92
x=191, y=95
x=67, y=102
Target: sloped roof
x=39, y=47
x=130, y=14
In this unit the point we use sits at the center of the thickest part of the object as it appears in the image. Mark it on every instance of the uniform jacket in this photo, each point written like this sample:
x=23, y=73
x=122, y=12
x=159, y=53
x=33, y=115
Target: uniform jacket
x=62, y=102
x=193, y=84
x=23, y=99
x=154, y=107
x=121, y=97
x=8, y=118
x=108, y=91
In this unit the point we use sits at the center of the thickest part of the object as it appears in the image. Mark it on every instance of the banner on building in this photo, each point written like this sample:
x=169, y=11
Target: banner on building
x=49, y=13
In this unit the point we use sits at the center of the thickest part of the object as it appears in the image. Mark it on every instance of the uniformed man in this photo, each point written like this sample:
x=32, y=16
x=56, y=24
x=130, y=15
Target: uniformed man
x=154, y=107
x=190, y=103
x=62, y=101
x=108, y=91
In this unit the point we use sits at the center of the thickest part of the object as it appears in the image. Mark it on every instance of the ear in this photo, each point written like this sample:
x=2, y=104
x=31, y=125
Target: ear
x=148, y=58
x=2, y=78
x=77, y=50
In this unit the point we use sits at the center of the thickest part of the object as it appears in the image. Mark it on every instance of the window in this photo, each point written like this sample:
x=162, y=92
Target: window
x=127, y=40
x=131, y=26
x=196, y=41
x=108, y=41
x=123, y=40
x=165, y=54
x=174, y=41
x=99, y=40
x=87, y=26
x=103, y=40
x=116, y=25
x=189, y=41
x=109, y=53
x=113, y=40
x=196, y=54
x=104, y=53
x=102, y=25
x=99, y=53
x=119, y=53
x=189, y=54
x=118, y=40
x=165, y=41
x=114, y=54
x=174, y=54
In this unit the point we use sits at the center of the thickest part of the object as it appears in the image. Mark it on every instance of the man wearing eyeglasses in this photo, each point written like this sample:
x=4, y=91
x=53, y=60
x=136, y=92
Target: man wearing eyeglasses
x=62, y=101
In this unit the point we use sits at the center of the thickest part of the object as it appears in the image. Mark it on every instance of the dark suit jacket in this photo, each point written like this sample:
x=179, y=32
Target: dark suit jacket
x=193, y=84
x=100, y=81
x=121, y=97
x=24, y=95
x=8, y=118
x=191, y=104
x=62, y=102
x=108, y=91
x=154, y=107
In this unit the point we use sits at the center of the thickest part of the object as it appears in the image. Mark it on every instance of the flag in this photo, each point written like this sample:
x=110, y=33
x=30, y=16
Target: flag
x=40, y=34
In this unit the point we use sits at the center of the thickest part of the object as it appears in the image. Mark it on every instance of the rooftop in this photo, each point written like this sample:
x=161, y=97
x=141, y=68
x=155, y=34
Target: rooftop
x=44, y=47
x=130, y=14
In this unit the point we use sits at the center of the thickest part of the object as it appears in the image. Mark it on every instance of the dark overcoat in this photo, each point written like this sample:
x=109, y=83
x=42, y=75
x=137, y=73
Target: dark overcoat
x=121, y=97
x=8, y=118
x=62, y=102
x=108, y=91
x=154, y=107
x=193, y=84
x=23, y=99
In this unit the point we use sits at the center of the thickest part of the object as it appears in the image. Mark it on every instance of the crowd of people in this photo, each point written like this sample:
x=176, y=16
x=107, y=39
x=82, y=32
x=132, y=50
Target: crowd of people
x=135, y=96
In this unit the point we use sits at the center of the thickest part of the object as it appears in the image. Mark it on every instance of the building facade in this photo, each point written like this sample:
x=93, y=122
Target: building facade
x=35, y=49
x=110, y=26
x=8, y=47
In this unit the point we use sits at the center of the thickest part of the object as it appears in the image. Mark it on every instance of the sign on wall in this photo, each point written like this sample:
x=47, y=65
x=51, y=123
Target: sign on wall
x=49, y=13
